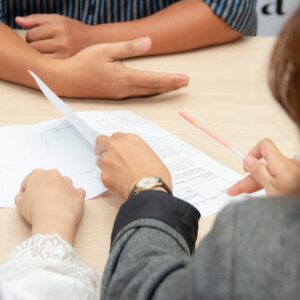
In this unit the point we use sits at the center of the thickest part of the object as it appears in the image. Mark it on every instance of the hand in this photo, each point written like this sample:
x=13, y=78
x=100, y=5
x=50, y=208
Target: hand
x=96, y=72
x=51, y=204
x=55, y=35
x=278, y=175
x=127, y=159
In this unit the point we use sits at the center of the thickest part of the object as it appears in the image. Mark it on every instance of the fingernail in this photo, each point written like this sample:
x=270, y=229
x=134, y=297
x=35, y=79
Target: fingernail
x=185, y=81
x=144, y=43
x=182, y=80
x=248, y=162
x=228, y=191
x=97, y=152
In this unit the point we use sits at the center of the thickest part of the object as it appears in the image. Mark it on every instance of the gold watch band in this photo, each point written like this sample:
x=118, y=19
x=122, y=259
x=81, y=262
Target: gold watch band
x=161, y=184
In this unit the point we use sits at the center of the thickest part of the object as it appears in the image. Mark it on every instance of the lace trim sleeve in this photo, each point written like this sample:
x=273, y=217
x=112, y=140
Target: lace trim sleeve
x=47, y=252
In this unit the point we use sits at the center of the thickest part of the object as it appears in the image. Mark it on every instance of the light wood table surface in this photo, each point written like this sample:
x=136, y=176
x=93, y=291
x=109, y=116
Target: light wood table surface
x=228, y=88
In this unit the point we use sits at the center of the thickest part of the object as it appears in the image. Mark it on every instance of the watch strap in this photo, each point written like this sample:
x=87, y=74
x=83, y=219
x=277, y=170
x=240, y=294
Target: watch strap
x=160, y=183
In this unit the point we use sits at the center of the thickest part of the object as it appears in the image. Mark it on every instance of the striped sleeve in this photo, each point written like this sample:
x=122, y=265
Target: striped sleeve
x=238, y=14
x=1, y=12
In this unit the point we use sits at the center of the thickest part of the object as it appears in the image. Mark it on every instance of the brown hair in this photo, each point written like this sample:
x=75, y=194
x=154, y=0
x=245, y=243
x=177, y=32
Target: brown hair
x=284, y=75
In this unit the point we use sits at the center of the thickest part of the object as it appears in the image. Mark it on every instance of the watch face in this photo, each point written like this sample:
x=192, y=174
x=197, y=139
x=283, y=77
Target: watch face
x=147, y=182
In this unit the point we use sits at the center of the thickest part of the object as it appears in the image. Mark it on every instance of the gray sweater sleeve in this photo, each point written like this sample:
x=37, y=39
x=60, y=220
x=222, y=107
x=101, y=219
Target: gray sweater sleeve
x=151, y=257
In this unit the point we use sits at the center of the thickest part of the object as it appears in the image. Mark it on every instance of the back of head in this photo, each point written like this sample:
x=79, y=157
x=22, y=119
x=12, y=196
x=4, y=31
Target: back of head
x=284, y=74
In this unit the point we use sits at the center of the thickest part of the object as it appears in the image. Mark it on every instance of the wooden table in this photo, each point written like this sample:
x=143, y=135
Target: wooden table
x=228, y=88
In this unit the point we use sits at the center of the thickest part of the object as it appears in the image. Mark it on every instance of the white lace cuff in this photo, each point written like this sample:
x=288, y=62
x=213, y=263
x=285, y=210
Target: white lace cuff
x=50, y=253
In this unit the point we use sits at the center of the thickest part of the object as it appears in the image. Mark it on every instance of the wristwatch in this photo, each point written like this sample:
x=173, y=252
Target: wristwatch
x=149, y=183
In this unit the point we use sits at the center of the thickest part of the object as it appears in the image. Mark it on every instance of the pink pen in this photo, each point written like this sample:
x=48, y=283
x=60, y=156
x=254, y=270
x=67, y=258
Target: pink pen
x=197, y=122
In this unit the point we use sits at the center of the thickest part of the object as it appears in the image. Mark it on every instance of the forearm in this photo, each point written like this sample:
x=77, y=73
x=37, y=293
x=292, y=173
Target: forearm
x=17, y=57
x=60, y=223
x=148, y=250
x=182, y=26
x=151, y=259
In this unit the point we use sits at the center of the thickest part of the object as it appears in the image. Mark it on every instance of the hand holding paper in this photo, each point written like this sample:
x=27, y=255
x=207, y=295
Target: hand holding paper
x=127, y=160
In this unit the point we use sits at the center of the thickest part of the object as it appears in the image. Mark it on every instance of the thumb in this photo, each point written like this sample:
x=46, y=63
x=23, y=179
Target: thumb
x=128, y=49
x=31, y=21
x=18, y=199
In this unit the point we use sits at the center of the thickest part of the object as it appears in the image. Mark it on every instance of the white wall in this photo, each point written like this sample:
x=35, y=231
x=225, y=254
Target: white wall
x=272, y=14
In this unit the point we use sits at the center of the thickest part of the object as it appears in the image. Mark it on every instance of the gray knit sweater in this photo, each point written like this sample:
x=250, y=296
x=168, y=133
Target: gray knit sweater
x=252, y=252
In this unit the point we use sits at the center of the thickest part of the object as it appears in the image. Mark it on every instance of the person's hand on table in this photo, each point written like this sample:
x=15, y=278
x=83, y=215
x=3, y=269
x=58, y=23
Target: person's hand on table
x=277, y=174
x=96, y=72
x=125, y=159
x=55, y=35
x=49, y=202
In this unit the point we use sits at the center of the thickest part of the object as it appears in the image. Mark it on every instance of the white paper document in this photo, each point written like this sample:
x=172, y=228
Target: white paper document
x=50, y=145
x=65, y=144
x=86, y=132
x=197, y=178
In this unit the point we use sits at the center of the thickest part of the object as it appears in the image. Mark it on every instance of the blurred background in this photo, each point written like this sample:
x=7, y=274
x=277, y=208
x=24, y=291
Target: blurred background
x=272, y=14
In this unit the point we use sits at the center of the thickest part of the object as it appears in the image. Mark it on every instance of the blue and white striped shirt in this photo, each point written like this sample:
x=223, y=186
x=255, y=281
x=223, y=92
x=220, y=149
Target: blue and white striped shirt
x=239, y=14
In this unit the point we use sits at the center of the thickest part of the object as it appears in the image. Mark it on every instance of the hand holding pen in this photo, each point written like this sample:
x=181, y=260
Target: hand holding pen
x=268, y=168
x=277, y=174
